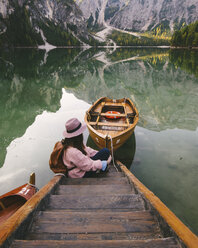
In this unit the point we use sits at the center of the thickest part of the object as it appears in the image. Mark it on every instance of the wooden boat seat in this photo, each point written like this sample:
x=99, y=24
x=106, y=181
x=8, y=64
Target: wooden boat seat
x=128, y=115
x=119, y=115
x=113, y=104
x=108, y=124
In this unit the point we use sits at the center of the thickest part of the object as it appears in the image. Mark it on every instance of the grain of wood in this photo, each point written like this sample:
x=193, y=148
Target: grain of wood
x=94, y=189
x=93, y=236
x=157, y=243
x=132, y=201
x=87, y=222
x=95, y=181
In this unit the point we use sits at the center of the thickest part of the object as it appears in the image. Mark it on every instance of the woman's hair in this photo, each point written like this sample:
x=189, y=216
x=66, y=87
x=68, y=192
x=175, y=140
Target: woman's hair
x=76, y=142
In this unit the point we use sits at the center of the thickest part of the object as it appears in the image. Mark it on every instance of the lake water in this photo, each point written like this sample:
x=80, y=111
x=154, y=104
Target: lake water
x=41, y=90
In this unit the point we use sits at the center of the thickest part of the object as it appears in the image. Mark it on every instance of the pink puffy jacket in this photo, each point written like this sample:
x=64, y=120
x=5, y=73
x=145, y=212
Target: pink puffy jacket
x=72, y=157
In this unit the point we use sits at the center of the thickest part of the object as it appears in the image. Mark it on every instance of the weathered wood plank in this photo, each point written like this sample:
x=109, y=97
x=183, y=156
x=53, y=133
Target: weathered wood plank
x=107, y=215
x=132, y=201
x=94, y=181
x=88, y=222
x=94, y=189
x=84, y=225
x=93, y=236
x=155, y=243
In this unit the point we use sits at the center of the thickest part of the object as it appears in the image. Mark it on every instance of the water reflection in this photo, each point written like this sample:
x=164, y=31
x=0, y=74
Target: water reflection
x=30, y=153
x=185, y=59
x=162, y=83
x=125, y=153
x=166, y=162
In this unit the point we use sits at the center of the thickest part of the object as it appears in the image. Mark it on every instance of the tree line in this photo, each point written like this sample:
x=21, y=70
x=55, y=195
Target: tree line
x=186, y=37
x=124, y=39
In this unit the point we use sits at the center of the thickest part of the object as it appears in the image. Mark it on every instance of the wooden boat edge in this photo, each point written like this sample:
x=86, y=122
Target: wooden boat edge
x=13, y=192
x=102, y=136
x=17, y=190
x=178, y=228
x=23, y=215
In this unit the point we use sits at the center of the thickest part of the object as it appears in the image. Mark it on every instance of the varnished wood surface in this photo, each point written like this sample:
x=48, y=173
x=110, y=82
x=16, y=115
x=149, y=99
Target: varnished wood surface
x=9, y=211
x=10, y=225
x=120, y=129
x=116, y=124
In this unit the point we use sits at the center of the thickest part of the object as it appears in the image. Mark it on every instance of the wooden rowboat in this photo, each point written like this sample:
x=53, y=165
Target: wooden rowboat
x=13, y=200
x=111, y=122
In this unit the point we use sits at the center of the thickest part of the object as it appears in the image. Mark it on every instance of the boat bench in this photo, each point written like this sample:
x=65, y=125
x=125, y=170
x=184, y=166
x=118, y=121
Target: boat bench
x=108, y=124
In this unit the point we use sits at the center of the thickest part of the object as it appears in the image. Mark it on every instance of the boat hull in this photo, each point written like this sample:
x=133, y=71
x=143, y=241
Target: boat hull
x=111, y=133
x=13, y=200
x=117, y=141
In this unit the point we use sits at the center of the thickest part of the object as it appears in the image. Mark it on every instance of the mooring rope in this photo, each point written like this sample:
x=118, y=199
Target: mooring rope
x=59, y=174
x=112, y=152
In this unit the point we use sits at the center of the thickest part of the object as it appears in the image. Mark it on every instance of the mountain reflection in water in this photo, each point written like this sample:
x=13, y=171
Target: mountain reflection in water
x=163, y=84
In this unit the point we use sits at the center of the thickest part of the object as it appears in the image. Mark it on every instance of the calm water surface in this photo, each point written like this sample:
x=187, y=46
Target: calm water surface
x=41, y=90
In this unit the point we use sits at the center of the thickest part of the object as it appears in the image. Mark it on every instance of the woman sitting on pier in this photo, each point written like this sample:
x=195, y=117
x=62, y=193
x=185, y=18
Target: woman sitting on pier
x=81, y=160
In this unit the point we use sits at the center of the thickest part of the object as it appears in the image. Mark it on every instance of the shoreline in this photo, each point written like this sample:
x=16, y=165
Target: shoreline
x=88, y=47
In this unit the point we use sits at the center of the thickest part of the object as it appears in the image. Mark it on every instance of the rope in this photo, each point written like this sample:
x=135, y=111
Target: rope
x=59, y=174
x=112, y=152
x=33, y=185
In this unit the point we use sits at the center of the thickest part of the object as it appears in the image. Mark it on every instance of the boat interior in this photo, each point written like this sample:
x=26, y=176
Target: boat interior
x=111, y=116
x=9, y=205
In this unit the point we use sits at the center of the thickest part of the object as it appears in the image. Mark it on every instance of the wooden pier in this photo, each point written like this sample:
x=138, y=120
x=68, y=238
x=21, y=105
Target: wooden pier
x=110, y=211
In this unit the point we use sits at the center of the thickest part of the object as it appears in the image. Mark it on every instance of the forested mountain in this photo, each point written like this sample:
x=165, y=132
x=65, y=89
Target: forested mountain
x=68, y=22
x=186, y=37
x=30, y=23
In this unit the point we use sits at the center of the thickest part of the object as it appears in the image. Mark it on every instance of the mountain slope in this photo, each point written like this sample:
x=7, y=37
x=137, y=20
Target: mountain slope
x=147, y=14
x=22, y=23
x=141, y=15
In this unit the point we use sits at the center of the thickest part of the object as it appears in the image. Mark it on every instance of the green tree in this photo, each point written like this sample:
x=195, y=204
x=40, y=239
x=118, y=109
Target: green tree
x=187, y=36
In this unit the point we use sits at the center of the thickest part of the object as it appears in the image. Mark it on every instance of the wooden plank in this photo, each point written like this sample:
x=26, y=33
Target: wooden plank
x=152, y=243
x=132, y=201
x=107, y=215
x=112, y=124
x=85, y=225
x=124, y=106
x=93, y=236
x=113, y=104
x=88, y=226
x=181, y=230
x=111, y=173
x=94, y=189
x=94, y=181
